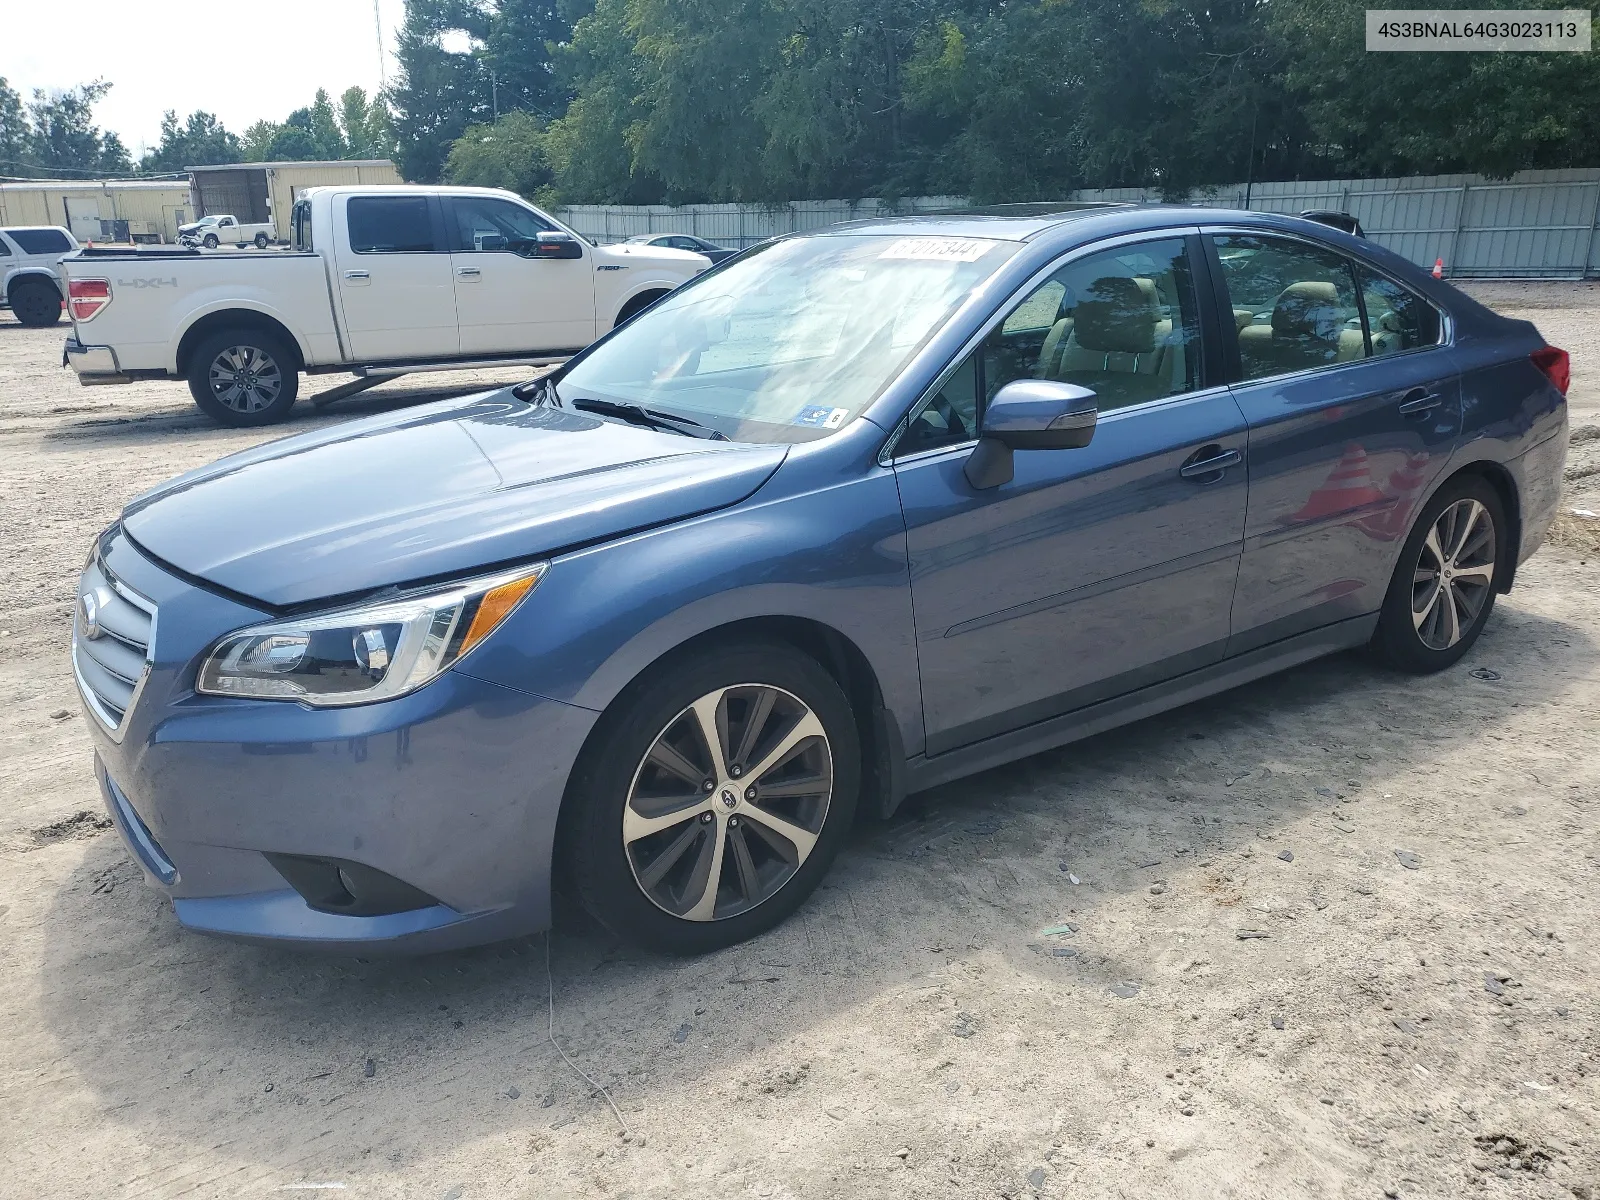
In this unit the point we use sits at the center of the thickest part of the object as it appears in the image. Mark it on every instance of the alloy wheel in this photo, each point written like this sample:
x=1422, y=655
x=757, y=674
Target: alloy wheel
x=1454, y=574
x=728, y=802
x=245, y=379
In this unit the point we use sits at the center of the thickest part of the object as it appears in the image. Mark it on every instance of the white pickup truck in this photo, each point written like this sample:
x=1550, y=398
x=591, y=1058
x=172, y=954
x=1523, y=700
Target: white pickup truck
x=381, y=282
x=213, y=230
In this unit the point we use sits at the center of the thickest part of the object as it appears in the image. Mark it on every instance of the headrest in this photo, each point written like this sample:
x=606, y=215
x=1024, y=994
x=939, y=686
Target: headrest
x=1307, y=309
x=1117, y=314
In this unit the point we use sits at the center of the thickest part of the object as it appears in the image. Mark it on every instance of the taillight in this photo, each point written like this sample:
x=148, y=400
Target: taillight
x=1555, y=364
x=87, y=297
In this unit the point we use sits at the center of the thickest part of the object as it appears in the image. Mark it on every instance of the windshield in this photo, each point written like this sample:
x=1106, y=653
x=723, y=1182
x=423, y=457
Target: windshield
x=791, y=341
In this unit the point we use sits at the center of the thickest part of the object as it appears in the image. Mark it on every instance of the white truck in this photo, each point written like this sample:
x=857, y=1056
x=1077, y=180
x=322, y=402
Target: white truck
x=381, y=281
x=216, y=229
x=30, y=280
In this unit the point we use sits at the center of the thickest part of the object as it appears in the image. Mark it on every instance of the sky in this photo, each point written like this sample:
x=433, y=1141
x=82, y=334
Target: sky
x=217, y=63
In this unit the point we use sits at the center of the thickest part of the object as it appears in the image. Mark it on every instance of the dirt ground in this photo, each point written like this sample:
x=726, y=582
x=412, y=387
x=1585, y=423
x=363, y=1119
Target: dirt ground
x=1183, y=959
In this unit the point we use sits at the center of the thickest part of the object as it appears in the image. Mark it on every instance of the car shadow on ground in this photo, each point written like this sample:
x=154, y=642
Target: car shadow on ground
x=251, y=1054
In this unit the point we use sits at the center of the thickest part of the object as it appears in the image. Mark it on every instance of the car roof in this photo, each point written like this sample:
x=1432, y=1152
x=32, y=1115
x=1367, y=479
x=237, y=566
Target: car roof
x=1088, y=221
x=36, y=229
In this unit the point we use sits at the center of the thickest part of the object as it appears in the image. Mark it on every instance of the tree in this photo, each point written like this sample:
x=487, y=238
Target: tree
x=13, y=131
x=1395, y=114
x=258, y=139
x=309, y=134
x=507, y=154
x=505, y=66
x=366, y=126
x=63, y=140
x=200, y=141
x=439, y=92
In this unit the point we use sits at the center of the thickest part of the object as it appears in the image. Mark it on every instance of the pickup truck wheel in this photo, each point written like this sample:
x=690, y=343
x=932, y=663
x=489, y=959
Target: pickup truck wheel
x=36, y=303
x=241, y=377
x=261, y=241
x=211, y=241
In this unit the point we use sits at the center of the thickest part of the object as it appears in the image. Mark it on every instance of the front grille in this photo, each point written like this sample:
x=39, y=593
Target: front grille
x=112, y=630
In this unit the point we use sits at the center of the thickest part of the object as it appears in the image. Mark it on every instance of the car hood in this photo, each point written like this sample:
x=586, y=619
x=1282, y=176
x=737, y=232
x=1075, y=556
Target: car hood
x=631, y=254
x=447, y=489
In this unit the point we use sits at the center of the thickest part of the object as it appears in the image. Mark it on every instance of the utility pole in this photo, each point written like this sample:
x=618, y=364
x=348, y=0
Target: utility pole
x=377, y=24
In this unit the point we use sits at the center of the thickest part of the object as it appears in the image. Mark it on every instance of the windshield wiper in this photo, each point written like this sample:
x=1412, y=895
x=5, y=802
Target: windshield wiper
x=651, y=418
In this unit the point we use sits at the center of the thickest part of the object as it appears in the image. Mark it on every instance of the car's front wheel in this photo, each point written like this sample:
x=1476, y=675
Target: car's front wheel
x=712, y=801
x=210, y=242
x=1443, y=587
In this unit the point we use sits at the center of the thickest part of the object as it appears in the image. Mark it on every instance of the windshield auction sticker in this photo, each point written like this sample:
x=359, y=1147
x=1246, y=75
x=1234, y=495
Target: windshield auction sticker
x=938, y=249
x=1504, y=29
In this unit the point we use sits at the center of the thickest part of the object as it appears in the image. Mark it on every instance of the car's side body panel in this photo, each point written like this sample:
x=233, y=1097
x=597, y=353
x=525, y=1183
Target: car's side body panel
x=1088, y=563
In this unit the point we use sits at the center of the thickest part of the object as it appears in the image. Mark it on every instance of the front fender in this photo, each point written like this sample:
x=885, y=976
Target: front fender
x=835, y=556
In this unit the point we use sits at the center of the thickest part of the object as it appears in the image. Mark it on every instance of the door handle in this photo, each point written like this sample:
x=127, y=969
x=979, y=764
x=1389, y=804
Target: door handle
x=1418, y=401
x=358, y=275
x=1213, y=464
x=468, y=272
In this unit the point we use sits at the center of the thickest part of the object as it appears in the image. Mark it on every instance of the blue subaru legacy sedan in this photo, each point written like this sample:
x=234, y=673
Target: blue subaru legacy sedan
x=853, y=514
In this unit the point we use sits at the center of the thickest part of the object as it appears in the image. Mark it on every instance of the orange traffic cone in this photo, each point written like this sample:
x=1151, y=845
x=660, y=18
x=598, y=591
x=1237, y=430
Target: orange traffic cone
x=1438, y=268
x=1348, y=487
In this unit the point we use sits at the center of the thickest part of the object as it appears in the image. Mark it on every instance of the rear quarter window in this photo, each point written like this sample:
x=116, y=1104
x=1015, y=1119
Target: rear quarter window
x=40, y=241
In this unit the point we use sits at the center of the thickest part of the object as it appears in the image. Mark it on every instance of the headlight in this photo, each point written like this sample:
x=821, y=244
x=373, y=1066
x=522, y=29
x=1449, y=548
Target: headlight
x=368, y=652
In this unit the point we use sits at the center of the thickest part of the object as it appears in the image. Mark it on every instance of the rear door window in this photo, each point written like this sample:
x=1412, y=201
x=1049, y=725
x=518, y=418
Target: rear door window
x=1398, y=318
x=1294, y=304
x=40, y=241
x=390, y=225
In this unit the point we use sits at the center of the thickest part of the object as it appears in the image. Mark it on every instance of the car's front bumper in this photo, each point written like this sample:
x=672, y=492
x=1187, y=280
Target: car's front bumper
x=94, y=364
x=453, y=791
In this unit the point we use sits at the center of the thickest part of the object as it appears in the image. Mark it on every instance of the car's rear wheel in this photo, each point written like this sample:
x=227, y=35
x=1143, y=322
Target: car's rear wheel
x=1443, y=587
x=711, y=802
x=36, y=302
x=243, y=377
x=261, y=241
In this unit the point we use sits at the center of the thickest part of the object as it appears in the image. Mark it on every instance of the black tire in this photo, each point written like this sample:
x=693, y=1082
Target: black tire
x=261, y=241
x=210, y=242
x=255, y=382
x=604, y=872
x=36, y=302
x=1424, y=627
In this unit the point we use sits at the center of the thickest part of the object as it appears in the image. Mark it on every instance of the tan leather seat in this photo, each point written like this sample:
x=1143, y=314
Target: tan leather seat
x=1050, y=353
x=1388, y=332
x=1309, y=329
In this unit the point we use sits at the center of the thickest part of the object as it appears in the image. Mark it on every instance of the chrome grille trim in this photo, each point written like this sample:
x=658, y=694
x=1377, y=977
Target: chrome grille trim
x=111, y=669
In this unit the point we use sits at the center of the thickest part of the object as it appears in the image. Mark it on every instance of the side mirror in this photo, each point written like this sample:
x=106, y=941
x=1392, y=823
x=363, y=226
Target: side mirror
x=1030, y=414
x=553, y=243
